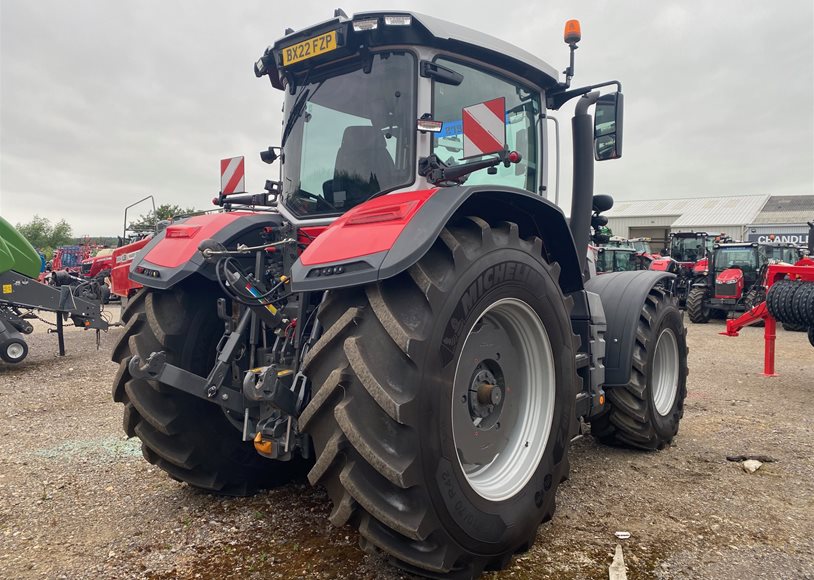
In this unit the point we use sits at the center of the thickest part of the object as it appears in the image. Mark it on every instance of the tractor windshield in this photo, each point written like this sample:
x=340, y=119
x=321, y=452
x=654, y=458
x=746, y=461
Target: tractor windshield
x=684, y=249
x=745, y=258
x=786, y=254
x=350, y=136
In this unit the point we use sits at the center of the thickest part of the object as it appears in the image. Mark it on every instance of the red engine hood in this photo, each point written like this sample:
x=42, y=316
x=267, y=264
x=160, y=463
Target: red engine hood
x=729, y=276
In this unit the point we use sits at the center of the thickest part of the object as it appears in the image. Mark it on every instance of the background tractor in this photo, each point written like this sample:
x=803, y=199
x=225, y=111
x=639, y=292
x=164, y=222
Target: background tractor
x=404, y=314
x=734, y=281
x=687, y=256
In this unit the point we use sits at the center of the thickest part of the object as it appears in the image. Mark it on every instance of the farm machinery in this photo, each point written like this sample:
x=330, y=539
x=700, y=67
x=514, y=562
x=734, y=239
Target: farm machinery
x=687, y=256
x=733, y=281
x=21, y=294
x=789, y=299
x=407, y=317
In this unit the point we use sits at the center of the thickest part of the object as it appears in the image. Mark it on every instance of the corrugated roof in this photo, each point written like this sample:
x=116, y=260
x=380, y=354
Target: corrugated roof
x=721, y=211
x=787, y=209
x=648, y=207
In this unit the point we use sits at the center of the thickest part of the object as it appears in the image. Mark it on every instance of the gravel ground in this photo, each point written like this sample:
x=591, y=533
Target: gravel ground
x=78, y=501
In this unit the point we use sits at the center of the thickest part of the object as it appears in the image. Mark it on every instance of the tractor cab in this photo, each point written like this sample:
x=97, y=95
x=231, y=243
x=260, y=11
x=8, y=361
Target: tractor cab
x=735, y=267
x=785, y=252
x=394, y=102
x=690, y=247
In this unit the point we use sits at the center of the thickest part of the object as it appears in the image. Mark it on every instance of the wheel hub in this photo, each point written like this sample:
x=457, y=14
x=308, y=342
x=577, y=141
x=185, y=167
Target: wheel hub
x=485, y=395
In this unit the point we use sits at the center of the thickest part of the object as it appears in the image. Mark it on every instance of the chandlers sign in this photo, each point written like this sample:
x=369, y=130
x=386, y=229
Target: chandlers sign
x=800, y=238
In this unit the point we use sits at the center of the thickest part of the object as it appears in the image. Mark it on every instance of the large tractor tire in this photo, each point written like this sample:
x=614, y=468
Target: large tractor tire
x=645, y=412
x=697, y=308
x=443, y=399
x=189, y=438
x=811, y=335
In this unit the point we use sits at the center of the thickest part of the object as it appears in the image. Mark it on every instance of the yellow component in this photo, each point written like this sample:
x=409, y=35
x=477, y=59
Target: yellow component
x=285, y=373
x=310, y=48
x=261, y=446
x=601, y=399
x=285, y=279
x=271, y=309
x=6, y=288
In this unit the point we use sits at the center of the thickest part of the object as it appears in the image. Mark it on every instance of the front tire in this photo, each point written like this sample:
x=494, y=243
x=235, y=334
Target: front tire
x=697, y=308
x=189, y=438
x=395, y=415
x=645, y=412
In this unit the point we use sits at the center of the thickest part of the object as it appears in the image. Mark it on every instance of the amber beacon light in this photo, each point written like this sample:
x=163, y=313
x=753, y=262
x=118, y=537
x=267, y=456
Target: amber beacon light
x=572, y=33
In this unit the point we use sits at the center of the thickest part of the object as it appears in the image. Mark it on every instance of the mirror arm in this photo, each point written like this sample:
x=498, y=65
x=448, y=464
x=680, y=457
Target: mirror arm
x=556, y=100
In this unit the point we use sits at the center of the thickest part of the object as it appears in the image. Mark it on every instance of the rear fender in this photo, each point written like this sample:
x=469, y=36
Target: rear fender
x=359, y=248
x=623, y=295
x=166, y=261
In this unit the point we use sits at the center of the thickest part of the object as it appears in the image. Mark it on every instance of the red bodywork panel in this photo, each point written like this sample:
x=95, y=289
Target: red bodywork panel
x=662, y=265
x=732, y=275
x=369, y=228
x=701, y=266
x=97, y=265
x=120, y=282
x=177, y=249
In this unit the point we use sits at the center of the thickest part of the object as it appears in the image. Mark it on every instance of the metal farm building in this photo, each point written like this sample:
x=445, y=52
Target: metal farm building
x=748, y=217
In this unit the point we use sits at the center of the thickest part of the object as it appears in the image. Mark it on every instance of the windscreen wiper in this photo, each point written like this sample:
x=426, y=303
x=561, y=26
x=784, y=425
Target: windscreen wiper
x=296, y=112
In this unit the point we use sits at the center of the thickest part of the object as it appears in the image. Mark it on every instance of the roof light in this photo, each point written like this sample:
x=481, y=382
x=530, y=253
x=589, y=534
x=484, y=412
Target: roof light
x=398, y=20
x=368, y=24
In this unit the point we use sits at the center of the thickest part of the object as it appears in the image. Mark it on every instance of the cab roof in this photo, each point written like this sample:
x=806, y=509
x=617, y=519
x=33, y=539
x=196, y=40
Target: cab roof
x=424, y=30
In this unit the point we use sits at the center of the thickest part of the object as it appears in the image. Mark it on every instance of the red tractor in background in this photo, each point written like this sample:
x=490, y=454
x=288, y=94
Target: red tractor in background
x=687, y=256
x=404, y=314
x=733, y=282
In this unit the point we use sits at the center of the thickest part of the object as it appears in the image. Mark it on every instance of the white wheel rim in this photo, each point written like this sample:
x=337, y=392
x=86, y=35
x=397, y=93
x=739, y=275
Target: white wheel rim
x=664, y=379
x=527, y=406
x=15, y=350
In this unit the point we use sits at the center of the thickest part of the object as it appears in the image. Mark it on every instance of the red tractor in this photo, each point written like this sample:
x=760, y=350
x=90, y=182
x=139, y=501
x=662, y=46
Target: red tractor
x=734, y=281
x=687, y=256
x=405, y=314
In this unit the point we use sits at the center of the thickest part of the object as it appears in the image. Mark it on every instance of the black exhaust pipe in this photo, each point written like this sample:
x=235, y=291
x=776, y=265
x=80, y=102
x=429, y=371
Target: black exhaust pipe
x=582, y=191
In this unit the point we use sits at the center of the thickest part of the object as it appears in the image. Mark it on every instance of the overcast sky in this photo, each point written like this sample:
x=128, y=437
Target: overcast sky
x=104, y=102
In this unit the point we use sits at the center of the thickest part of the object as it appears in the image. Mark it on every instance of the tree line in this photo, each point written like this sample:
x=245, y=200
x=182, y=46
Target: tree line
x=46, y=236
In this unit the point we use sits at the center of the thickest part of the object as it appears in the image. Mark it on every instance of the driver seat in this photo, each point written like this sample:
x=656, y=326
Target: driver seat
x=363, y=167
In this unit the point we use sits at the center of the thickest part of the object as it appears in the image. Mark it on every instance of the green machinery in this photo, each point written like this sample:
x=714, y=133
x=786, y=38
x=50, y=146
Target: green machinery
x=21, y=293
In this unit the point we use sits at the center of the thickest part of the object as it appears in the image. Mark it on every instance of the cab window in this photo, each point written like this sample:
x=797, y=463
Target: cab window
x=522, y=111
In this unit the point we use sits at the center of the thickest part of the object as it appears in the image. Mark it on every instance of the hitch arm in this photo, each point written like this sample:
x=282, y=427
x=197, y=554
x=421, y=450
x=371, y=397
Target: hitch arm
x=156, y=368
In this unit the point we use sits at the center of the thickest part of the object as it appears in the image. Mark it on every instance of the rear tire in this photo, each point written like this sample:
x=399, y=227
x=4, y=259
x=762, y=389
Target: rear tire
x=393, y=404
x=697, y=309
x=645, y=412
x=189, y=438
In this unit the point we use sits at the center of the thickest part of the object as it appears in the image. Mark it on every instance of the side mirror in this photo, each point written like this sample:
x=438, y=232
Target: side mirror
x=602, y=202
x=608, y=126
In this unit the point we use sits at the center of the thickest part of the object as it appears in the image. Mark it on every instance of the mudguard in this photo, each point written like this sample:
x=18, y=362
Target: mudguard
x=172, y=255
x=623, y=295
x=386, y=235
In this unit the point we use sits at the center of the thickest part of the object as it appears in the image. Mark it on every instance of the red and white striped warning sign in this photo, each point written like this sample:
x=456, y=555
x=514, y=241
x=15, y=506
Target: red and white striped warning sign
x=232, y=176
x=485, y=128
